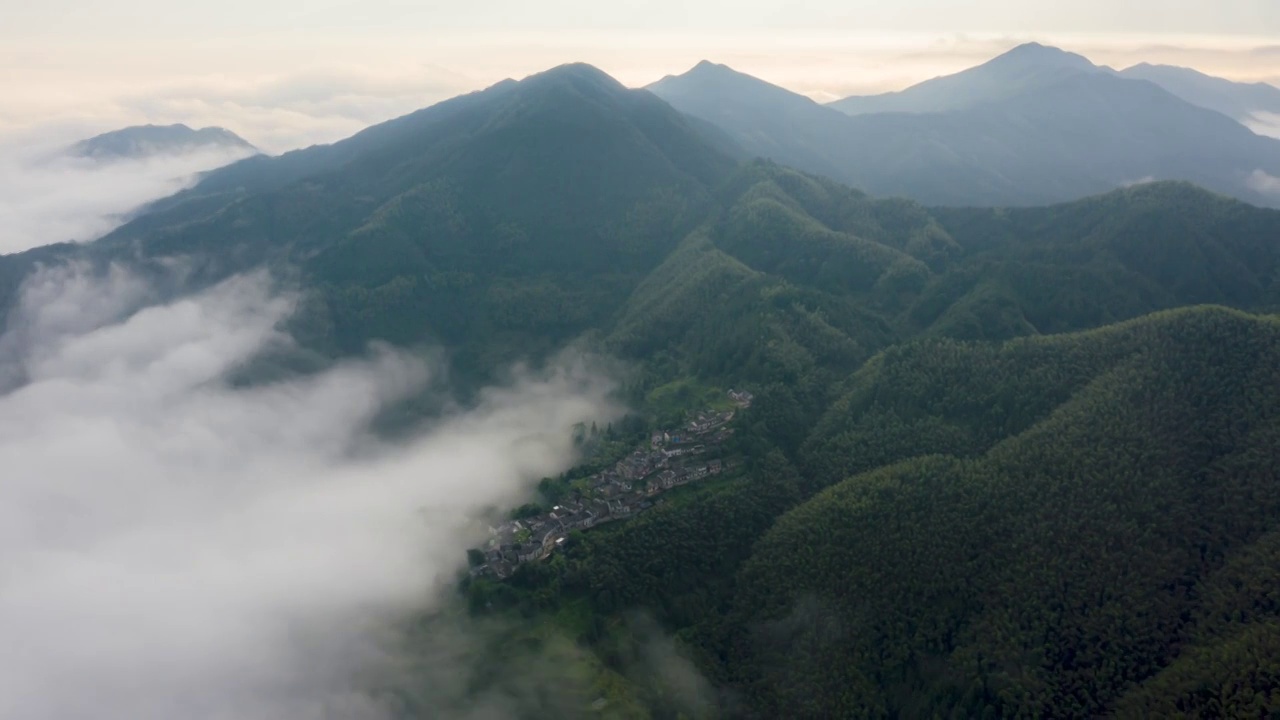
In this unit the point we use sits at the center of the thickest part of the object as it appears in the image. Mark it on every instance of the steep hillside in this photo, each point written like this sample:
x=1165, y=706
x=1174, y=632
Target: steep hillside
x=1073, y=568
x=502, y=223
x=1099, y=260
x=766, y=120
x=753, y=306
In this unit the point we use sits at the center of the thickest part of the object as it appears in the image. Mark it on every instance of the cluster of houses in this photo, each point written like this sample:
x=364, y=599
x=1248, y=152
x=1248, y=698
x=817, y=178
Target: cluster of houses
x=673, y=458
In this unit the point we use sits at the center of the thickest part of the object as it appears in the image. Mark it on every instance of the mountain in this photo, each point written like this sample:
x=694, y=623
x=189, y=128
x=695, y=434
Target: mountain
x=1025, y=67
x=851, y=318
x=792, y=291
x=767, y=120
x=1085, y=553
x=146, y=140
x=1244, y=102
x=1022, y=435
x=522, y=215
x=1032, y=64
x=1077, y=136
x=1034, y=126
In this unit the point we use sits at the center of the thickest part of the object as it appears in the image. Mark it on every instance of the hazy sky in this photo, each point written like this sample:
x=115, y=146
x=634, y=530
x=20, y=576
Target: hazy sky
x=291, y=72
x=145, y=18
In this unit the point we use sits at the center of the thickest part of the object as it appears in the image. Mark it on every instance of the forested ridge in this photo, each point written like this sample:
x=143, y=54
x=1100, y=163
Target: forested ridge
x=1000, y=462
x=1052, y=572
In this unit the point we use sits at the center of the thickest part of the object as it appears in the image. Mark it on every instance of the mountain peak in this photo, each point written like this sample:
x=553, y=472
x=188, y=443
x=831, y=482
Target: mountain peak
x=1042, y=55
x=705, y=70
x=578, y=71
x=1033, y=47
x=1026, y=66
x=581, y=76
x=716, y=84
x=144, y=140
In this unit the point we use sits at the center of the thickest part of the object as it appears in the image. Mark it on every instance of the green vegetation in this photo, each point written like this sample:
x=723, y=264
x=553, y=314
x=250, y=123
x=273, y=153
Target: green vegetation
x=1048, y=573
x=997, y=465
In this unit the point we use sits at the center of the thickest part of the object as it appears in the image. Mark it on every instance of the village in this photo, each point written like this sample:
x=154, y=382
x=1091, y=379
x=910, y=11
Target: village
x=672, y=458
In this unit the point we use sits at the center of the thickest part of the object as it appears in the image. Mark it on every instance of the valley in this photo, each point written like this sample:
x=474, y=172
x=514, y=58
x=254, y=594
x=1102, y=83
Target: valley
x=1010, y=442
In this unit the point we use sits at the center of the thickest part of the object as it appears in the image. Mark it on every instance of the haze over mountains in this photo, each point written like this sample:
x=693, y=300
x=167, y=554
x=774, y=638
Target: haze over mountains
x=1001, y=462
x=1025, y=67
x=1256, y=105
x=143, y=141
x=1250, y=104
x=52, y=191
x=987, y=136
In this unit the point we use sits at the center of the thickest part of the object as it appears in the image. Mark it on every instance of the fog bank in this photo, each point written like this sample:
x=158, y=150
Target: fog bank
x=48, y=197
x=172, y=546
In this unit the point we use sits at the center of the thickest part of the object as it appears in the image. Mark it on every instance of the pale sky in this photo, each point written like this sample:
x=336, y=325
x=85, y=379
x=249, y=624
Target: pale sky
x=285, y=73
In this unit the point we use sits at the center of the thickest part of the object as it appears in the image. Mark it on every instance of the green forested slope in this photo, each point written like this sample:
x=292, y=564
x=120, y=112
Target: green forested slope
x=1063, y=571
x=1099, y=260
x=501, y=224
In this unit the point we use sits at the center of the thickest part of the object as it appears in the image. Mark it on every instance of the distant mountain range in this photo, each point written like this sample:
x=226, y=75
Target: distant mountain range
x=1022, y=69
x=1033, y=126
x=1034, y=64
x=1245, y=102
x=146, y=140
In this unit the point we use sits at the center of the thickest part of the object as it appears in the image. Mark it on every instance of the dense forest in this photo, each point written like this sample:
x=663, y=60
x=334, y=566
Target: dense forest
x=1001, y=462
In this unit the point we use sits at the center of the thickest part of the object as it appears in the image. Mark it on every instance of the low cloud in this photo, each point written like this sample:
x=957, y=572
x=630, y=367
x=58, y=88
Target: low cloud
x=1264, y=123
x=319, y=106
x=175, y=546
x=1264, y=183
x=48, y=197
x=1140, y=181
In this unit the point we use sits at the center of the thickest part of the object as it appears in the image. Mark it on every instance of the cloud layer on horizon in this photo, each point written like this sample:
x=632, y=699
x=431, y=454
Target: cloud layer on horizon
x=280, y=97
x=175, y=546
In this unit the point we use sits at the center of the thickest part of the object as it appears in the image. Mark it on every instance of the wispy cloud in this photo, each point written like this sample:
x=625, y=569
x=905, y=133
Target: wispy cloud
x=1264, y=183
x=1265, y=123
x=48, y=197
x=175, y=546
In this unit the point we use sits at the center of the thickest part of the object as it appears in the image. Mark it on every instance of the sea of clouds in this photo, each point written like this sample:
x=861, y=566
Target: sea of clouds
x=49, y=196
x=172, y=545
x=176, y=544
